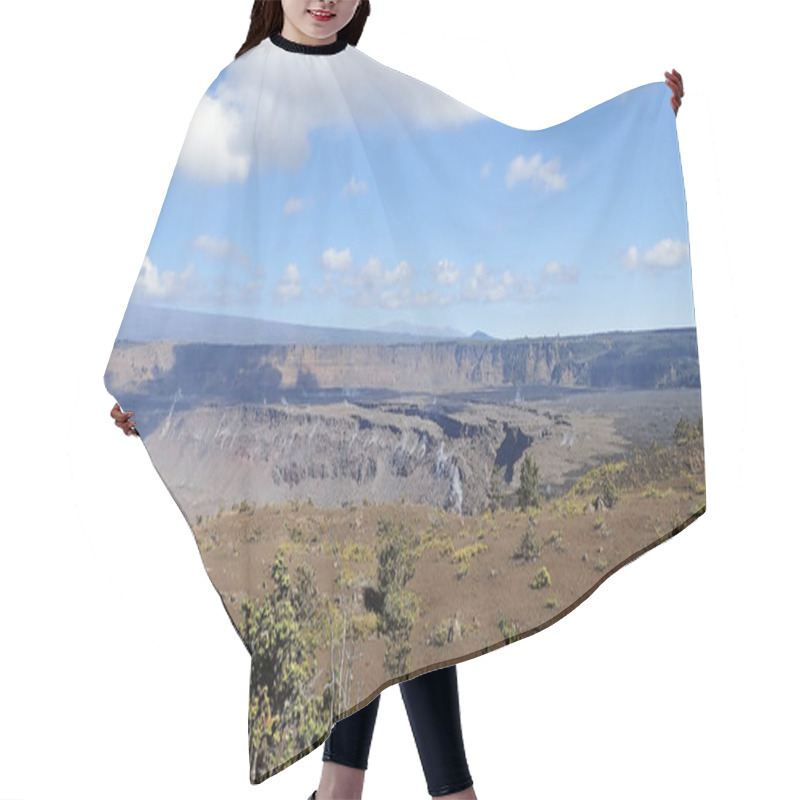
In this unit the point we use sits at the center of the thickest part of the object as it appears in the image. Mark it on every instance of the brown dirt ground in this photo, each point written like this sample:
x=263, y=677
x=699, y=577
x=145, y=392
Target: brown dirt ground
x=659, y=494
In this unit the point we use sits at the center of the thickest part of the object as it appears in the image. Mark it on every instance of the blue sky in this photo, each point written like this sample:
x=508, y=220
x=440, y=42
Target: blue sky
x=424, y=212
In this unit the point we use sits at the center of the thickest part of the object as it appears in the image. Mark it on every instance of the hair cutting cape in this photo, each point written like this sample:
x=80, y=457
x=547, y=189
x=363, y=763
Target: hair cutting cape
x=419, y=381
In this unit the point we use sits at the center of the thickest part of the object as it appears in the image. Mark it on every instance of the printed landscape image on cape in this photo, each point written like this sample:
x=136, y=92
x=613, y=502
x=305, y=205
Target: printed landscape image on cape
x=419, y=381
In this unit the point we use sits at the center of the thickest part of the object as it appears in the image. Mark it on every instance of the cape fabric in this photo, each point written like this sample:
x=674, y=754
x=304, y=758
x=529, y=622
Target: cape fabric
x=419, y=381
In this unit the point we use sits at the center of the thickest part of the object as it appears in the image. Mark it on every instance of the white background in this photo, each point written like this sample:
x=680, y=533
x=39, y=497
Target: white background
x=120, y=673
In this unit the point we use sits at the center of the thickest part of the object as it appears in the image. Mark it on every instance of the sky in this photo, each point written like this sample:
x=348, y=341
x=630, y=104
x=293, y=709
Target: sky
x=345, y=194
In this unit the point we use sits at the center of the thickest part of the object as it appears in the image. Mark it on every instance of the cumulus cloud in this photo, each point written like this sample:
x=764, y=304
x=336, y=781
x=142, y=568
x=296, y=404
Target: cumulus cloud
x=220, y=249
x=553, y=272
x=245, y=119
x=374, y=275
x=374, y=284
x=293, y=205
x=483, y=285
x=493, y=286
x=486, y=170
x=289, y=287
x=214, y=149
x=664, y=255
x=166, y=285
x=447, y=273
x=537, y=172
x=337, y=260
x=354, y=187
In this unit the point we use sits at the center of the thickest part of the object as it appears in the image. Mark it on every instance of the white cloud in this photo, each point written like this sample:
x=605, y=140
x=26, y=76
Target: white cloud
x=289, y=287
x=337, y=260
x=354, y=187
x=484, y=286
x=402, y=273
x=486, y=170
x=374, y=275
x=536, y=171
x=376, y=285
x=293, y=205
x=665, y=254
x=373, y=284
x=558, y=273
x=165, y=285
x=220, y=249
x=215, y=149
x=250, y=114
x=488, y=286
x=447, y=273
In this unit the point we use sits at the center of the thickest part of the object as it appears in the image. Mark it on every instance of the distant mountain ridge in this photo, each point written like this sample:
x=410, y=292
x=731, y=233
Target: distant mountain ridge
x=150, y=323
x=423, y=331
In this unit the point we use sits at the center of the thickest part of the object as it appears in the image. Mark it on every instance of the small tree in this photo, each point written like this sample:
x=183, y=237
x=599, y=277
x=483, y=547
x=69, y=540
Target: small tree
x=610, y=493
x=529, y=547
x=527, y=492
x=397, y=557
x=496, y=489
x=280, y=633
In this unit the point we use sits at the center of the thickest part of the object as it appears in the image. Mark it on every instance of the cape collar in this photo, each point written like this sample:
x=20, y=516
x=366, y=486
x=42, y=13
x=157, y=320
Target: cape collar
x=309, y=49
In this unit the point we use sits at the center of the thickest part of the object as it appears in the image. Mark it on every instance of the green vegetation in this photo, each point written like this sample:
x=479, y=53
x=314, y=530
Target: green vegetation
x=686, y=431
x=448, y=629
x=541, y=579
x=464, y=556
x=364, y=626
x=557, y=541
x=496, y=489
x=441, y=634
x=255, y=534
x=528, y=490
x=397, y=556
x=284, y=716
x=244, y=507
x=652, y=491
x=295, y=533
x=600, y=482
x=356, y=551
x=508, y=629
x=609, y=492
x=529, y=547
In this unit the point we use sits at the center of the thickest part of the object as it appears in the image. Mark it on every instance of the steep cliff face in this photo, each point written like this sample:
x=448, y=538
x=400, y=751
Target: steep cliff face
x=251, y=373
x=384, y=453
x=333, y=455
x=425, y=422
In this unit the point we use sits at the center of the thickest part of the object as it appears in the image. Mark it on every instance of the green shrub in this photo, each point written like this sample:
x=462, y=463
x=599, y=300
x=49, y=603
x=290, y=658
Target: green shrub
x=529, y=547
x=508, y=629
x=496, y=486
x=608, y=489
x=541, y=579
x=528, y=490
